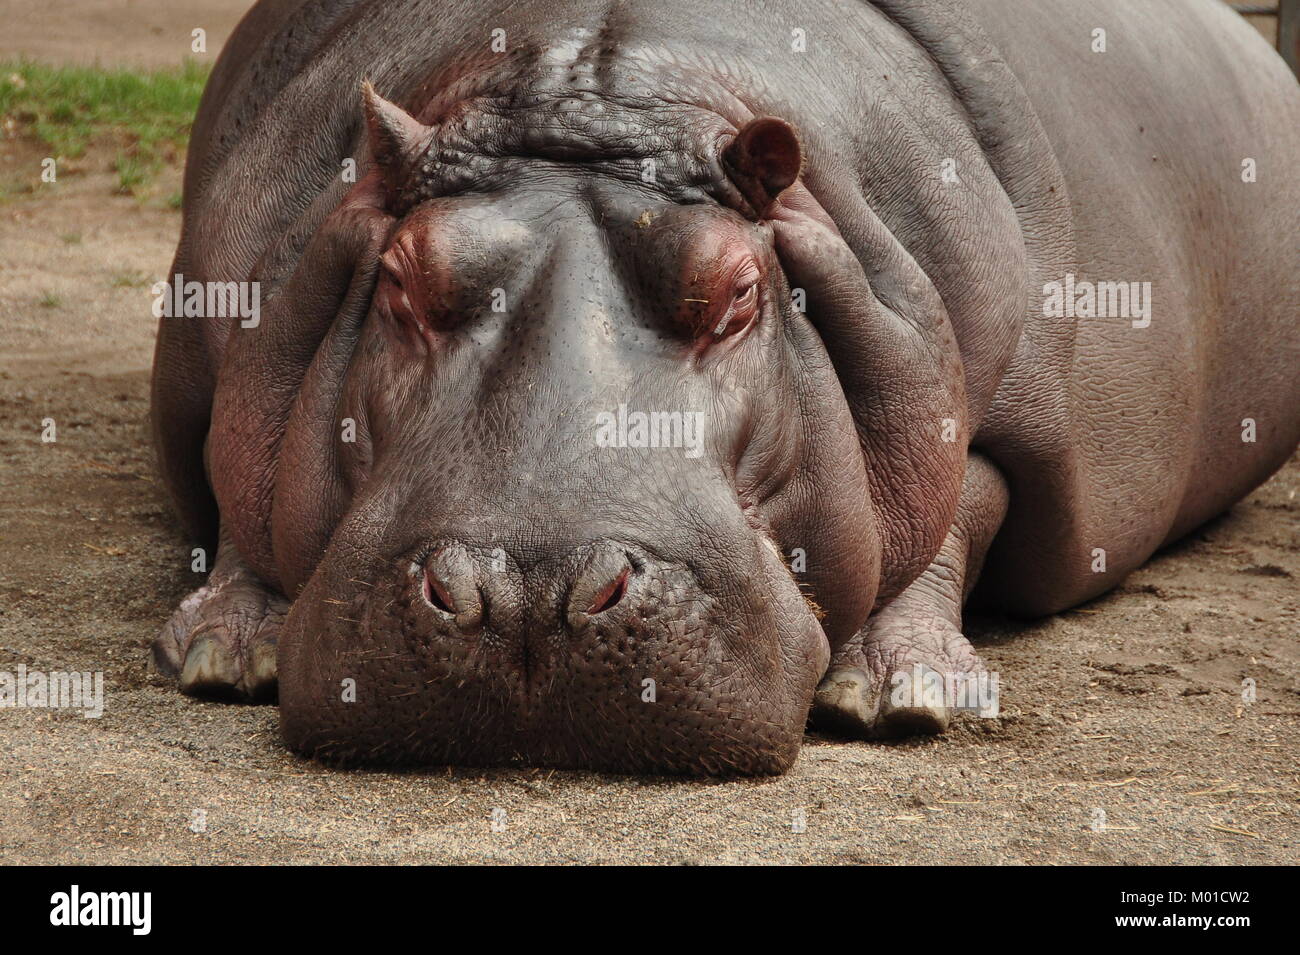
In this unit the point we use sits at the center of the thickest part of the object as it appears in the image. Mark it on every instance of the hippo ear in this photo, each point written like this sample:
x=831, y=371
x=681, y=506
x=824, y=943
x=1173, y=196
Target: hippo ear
x=764, y=159
x=397, y=141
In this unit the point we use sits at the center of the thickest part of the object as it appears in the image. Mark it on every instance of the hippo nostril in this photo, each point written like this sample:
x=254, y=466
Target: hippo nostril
x=436, y=593
x=602, y=580
x=610, y=595
x=452, y=584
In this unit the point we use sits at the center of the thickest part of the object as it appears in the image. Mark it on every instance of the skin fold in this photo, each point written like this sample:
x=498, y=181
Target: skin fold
x=429, y=552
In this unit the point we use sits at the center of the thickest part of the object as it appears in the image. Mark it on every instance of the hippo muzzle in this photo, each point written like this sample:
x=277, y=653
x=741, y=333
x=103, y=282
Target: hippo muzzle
x=601, y=655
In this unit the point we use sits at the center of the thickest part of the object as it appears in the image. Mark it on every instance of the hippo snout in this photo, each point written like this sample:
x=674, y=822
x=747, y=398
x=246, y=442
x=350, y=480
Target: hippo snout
x=607, y=653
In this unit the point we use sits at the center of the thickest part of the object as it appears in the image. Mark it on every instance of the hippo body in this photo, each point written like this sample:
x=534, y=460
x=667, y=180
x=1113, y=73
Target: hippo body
x=962, y=301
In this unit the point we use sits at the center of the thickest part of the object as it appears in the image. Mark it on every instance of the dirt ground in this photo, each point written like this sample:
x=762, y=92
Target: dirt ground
x=116, y=32
x=1131, y=705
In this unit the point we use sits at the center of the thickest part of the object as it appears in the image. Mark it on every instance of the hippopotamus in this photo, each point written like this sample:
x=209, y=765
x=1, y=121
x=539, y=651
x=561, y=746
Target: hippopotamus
x=632, y=382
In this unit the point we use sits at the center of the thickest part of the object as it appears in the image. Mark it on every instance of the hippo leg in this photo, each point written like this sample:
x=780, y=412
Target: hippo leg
x=921, y=626
x=221, y=641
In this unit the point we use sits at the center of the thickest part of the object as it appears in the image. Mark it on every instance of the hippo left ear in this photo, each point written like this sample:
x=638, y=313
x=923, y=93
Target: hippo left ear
x=764, y=159
x=397, y=142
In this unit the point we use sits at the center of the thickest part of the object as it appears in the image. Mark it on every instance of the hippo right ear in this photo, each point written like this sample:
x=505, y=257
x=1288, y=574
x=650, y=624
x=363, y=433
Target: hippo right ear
x=397, y=143
x=763, y=160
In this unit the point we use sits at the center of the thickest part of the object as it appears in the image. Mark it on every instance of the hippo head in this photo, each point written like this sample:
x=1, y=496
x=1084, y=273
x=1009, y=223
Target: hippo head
x=571, y=480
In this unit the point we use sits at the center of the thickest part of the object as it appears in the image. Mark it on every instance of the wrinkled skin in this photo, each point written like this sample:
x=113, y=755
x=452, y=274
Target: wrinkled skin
x=424, y=547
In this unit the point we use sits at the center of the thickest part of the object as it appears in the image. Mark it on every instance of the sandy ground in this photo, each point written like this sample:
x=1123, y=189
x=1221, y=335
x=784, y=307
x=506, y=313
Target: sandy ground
x=116, y=32
x=1130, y=705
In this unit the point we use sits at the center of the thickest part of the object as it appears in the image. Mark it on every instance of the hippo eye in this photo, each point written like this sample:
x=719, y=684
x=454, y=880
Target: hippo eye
x=397, y=297
x=740, y=310
x=394, y=292
x=396, y=301
x=405, y=305
x=744, y=297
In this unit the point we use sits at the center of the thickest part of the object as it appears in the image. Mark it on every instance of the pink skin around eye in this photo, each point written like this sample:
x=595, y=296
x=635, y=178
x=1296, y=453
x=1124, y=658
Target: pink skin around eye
x=741, y=302
x=721, y=305
x=720, y=276
x=396, y=300
x=413, y=287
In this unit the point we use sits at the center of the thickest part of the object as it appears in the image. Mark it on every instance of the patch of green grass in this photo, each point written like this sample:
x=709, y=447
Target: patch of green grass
x=129, y=280
x=71, y=238
x=50, y=300
x=67, y=107
x=132, y=173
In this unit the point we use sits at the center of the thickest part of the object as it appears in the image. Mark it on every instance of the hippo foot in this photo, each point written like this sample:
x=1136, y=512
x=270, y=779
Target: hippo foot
x=910, y=668
x=221, y=642
x=892, y=682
